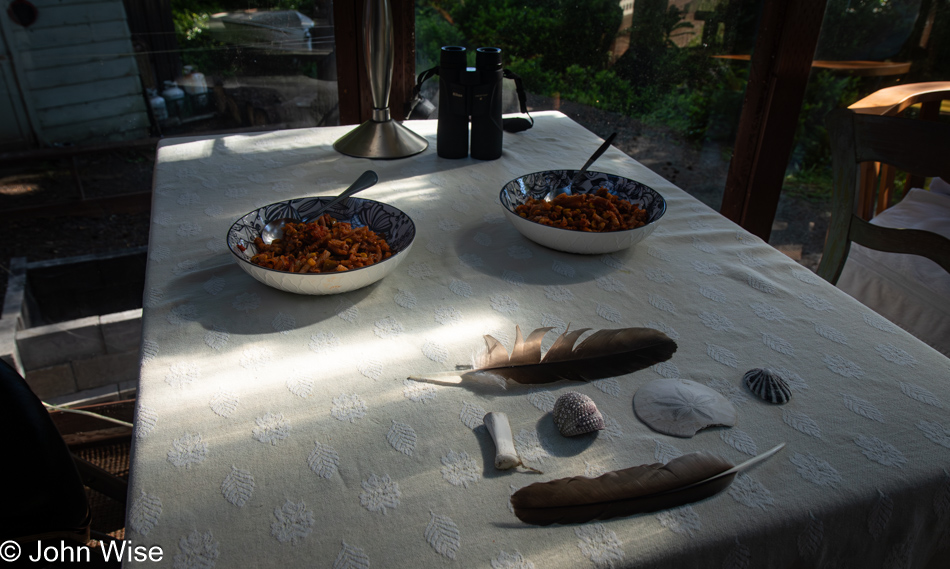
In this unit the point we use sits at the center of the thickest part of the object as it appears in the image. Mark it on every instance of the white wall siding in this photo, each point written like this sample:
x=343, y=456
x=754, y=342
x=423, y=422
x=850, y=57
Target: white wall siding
x=78, y=72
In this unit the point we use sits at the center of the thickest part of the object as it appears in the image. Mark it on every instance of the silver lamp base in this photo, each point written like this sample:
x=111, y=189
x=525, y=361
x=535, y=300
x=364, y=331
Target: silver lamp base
x=387, y=139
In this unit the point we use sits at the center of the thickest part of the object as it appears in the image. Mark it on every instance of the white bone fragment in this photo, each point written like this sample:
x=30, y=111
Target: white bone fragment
x=505, y=454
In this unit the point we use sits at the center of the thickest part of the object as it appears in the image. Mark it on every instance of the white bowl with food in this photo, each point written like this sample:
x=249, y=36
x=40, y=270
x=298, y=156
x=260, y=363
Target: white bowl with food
x=360, y=243
x=603, y=213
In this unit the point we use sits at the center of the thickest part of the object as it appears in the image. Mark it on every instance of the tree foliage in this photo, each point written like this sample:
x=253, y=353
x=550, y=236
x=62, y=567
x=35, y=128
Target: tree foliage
x=866, y=29
x=555, y=34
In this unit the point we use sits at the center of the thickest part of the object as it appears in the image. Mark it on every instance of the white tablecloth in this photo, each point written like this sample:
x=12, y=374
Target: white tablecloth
x=276, y=430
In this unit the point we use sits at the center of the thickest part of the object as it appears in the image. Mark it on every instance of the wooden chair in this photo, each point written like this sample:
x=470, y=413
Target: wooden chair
x=45, y=494
x=50, y=487
x=877, y=179
x=916, y=146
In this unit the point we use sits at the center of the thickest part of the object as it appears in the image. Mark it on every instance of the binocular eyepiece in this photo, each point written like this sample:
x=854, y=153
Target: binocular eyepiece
x=470, y=93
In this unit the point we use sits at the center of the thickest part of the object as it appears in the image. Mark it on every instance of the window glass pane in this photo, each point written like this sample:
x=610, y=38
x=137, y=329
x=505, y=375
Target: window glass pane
x=115, y=75
x=268, y=63
x=649, y=69
x=865, y=45
x=83, y=72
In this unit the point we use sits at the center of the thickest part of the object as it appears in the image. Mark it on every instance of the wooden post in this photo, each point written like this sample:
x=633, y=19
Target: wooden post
x=356, y=102
x=781, y=63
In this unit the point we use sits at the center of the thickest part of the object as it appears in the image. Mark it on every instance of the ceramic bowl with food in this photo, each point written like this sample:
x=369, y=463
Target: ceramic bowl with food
x=385, y=220
x=539, y=184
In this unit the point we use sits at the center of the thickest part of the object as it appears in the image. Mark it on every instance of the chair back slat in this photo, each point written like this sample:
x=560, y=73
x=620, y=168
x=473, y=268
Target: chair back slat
x=920, y=147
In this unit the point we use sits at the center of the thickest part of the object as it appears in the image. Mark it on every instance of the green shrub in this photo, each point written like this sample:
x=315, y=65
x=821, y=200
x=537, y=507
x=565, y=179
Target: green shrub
x=432, y=32
x=826, y=91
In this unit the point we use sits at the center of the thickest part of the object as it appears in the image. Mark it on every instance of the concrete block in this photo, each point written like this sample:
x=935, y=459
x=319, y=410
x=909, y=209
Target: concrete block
x=11, y=314
x=8, y=348
x=108, y=369
x=61, y=343
x=122, y=331
x=51, y=382
x=16, y=286
x=102, y=394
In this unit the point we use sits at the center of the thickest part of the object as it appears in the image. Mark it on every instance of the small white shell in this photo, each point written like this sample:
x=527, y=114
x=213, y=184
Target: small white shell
x=681, y=407
x=576, y=414
x=767, y=385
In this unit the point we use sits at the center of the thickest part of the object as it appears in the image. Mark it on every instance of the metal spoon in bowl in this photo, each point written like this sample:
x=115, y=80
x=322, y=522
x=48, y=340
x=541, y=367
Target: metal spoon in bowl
x=577, y=177
x=275, y=229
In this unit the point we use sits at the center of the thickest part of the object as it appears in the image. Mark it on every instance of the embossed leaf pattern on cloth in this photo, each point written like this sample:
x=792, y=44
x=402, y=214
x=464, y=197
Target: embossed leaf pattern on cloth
x=739, y=557
x=529, y=446
x=293, y=522
x=816, y=470
x=418, y=392
x=300, y=386
x=224, y=403
x=750, y=493
x=472, y=415
x=936, y=432
x=443, y=535
x=664, y=452
x=323, y=460
x=197, y=550
x=612, y=428
x=514, y=560
x=880, y=515
x=921, y=394
x=272, y=428
x=146, y=420
x=351, y=557
x=722, y=355
x=348, y=407
x=542, y=399
x=144, y=513
x=801, y=422
x=879, y=451
x=862, y=407
x=683, y=520
x=188, y=450
x=810, y=538
x=402, y=437
x=238, y=486
x=182, y=374
x=739, y=440
x=599, y=544
x=217, y=338
x=459, y=469
x=379, y=493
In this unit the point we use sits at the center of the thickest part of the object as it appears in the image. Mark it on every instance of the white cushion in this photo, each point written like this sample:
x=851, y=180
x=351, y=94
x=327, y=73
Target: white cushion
x=909, y=290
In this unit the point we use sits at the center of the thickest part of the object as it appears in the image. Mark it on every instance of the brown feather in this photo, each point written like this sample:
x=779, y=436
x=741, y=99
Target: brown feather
x=605, y=353
x=636, y=490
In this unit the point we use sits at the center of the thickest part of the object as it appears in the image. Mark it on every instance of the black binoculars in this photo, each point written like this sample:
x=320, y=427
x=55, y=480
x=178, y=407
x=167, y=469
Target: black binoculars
x=470, y=92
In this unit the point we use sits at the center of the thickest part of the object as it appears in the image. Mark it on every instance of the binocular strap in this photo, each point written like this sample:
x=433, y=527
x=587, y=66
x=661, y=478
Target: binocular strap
x=510, y=124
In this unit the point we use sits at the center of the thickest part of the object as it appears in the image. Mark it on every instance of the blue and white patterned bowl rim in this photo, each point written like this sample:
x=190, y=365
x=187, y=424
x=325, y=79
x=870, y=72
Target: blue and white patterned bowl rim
x=387, y=221
x=537, y=185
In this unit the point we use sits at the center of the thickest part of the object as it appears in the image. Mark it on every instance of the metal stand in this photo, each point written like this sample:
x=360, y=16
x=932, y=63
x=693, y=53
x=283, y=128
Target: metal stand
x=380, y=137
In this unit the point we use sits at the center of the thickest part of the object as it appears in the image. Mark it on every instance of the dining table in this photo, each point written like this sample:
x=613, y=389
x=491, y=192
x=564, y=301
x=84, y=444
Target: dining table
x=275, y=429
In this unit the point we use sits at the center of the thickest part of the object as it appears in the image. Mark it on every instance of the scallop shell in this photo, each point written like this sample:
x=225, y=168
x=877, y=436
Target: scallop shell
x=576, y=414
x=767, y=385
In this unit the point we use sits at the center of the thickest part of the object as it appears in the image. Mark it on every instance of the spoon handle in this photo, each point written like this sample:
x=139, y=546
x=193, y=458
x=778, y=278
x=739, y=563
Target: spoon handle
x=600, y=151
x=366, y=180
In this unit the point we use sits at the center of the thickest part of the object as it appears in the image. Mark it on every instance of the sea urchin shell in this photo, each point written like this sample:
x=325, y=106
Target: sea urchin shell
x=767, y=385
x=576, y=414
